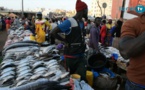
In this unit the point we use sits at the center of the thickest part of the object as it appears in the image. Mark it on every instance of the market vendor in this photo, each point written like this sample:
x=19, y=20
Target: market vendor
x=74, y=40
x=41, y=25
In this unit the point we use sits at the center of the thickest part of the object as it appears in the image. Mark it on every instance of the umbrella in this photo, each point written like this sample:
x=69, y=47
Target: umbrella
x=12, y=15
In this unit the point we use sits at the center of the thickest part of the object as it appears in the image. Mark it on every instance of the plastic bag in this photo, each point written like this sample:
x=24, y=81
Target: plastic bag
x=81, y=85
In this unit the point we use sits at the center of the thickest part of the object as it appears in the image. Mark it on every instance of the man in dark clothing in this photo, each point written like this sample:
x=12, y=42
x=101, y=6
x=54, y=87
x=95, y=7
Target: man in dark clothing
x=116, y=33
x=94, y=35
x=74, y=40
x=3, y=24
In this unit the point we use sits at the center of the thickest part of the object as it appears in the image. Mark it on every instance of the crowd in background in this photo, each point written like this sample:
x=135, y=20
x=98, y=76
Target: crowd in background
x=105, y=31
x=108, y=31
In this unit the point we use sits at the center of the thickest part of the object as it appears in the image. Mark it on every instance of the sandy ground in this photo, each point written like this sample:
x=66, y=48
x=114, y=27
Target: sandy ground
x=3, y=37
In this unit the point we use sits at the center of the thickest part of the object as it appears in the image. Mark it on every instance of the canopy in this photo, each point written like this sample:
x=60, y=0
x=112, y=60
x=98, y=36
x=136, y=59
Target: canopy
x=12, y=15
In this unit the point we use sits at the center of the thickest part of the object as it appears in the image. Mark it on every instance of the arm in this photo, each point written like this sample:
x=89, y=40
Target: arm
x=130, y=45
x=64, y=27
x=55, y=32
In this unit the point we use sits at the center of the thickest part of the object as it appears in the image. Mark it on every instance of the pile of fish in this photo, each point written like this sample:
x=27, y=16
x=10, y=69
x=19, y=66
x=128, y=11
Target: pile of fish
x=25, y=62
x=17, y=35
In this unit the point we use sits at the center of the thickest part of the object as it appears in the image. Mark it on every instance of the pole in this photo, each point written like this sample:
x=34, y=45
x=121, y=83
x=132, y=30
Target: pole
x=22, y=8
x=123, y=5
x=104, y=11
x=99, y=7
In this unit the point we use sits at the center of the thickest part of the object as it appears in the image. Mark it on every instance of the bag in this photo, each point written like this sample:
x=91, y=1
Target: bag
x=105, y=82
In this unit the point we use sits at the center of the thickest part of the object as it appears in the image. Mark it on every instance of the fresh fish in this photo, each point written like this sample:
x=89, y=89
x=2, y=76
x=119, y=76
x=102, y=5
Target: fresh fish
x=37, y=64
x=25, y=76
x=49, y=49
x=52, y=73
x=52, y=64
x=22, y=83
x=23, y=68
x=24, y=61
x=55, y=51
x=64, y=75
x=34, y=77
x=9, y=64
x=7, y=79
x=8, y=56
x=11, y=73
x=6, y=61
x=41, y=72
x=7, y=70
x=49, y=62
x=39, y=69
x=23, y=65
x=24, y=72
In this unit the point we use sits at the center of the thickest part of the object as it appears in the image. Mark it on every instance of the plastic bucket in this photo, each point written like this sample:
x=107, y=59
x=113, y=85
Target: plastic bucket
x=97, y=61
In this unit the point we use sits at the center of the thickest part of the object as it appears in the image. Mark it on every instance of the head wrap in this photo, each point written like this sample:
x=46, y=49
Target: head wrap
x=80, y=5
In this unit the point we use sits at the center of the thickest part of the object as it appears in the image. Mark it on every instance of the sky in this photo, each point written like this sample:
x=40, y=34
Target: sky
x=48, y=4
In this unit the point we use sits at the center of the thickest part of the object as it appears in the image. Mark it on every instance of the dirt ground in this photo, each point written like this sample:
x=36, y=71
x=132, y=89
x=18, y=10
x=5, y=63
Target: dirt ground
x=3, y=37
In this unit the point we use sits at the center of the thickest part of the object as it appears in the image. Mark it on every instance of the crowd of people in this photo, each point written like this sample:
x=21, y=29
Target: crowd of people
x=126, y=37
x=104, y=31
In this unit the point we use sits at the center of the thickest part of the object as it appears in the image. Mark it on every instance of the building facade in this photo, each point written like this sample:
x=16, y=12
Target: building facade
x=116, y=9
x=97, y=12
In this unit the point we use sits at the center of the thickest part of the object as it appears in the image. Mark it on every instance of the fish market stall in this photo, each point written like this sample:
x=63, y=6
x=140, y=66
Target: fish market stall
x=114, y=55
x=28, y=66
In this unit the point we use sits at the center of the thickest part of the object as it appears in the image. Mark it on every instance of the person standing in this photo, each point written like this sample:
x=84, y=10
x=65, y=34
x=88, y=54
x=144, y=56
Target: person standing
x=53, y=24
x=3, y=23
x=94, y=35
x=16, y=22
x=116, y=33
x=132, y=46
x=103, y=32
x=74, y=40
x=8, y=23
x=41, y=25
x=108, y=36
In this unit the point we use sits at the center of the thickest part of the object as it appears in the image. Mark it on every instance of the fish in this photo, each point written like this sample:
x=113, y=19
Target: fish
x=64, y=75
x=49, y=49
x=41, y=72
x=9, y=64
x=6, y=61
x=11, y=73
x=51, y=61
x=34, y=77
x=37, y=64
x=7, y=79
x=24, y=61
x=8, y=56
x=21, y=83
x=7, y=70
x=24, y=72
x=49, y=74
x=23, y=68
x=23, y=65
x=52, y=64
x=39, y=69
x=25, y=76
